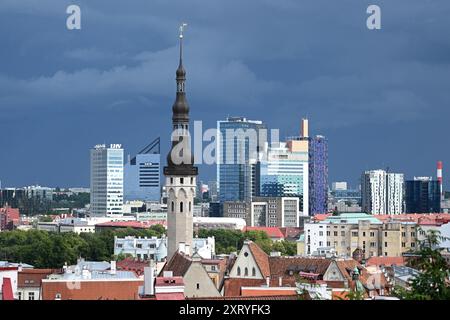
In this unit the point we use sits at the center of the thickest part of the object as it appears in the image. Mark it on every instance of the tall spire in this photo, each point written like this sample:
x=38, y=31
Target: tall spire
x=180, y=107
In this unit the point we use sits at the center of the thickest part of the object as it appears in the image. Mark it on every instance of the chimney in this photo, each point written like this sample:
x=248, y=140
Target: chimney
x=280, y=281
x=268, y=281
x=149, y=280
x=113, y=267
x=304, y=128
x=439, y=177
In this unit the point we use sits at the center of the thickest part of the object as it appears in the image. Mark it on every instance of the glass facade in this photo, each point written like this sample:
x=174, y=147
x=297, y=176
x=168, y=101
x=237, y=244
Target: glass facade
x=318, y=175
x=422, y=196
x=142, y=178
x=239, y=143
x=285, y=174
x=106, y=180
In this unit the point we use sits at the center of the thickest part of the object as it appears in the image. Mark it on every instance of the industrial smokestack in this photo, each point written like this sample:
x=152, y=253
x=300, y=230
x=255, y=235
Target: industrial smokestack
x=304, y=128
x=439, y=176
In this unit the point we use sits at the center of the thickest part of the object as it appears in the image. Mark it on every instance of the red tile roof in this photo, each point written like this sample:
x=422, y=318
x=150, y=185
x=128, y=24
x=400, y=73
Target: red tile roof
x=270, y=291
x=170, y=296
x=32, y=278
x=131, y=264
x=272, y=232
x=385, y=261
x=7, y=292
x=262, y=259
x=179, y=264
x=169, y=281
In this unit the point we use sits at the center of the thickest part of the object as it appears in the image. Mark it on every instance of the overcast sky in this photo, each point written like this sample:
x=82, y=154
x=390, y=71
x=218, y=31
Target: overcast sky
x=381, y=97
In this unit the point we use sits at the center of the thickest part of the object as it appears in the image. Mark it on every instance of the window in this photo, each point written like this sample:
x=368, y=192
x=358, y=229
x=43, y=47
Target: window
x=372, y=234
x=354, y=234
x=173, y=207
x=213, y=268
x=385, y=234
x=413, y=234
x=171, y=180
x=328, y=243
x=320, y=233
x=190, y=206
x=253, y=272
x=192, y=180
x=403, y=234
x=403, y=244
x=198, y=286
x=246, y=271
x=342, y=233
x=238, y=271
x=139, y=245
x=181, y=206
x=335, y=233
x=181, y=180
x=19, y=295
x=328, y=233
x=30, y=295
x=385, y=244
x=364, y=234
x=413, y=244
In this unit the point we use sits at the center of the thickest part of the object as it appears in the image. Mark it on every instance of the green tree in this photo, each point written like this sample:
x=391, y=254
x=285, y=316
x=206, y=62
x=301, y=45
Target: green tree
x=432, y=281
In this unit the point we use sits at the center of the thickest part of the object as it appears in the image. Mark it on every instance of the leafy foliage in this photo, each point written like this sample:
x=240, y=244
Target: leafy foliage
x=432, y=283
x=232, y=240
x=44, y=249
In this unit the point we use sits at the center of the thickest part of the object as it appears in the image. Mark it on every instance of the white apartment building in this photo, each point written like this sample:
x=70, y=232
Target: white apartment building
x=395, y=192
x=156, y=248
x=107, y=180
x=382, y=192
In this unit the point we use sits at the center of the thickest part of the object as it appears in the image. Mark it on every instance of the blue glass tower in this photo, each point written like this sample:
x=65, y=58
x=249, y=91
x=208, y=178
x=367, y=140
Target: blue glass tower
x=238, y=145
x=318, y=174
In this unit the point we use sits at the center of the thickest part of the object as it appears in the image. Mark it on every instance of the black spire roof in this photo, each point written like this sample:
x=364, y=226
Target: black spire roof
x=180, y=121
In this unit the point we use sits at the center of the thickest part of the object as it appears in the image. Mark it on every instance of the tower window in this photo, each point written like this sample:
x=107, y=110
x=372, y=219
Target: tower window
x=254, y=272
x=171, y=180
x=181, y=206
x=173, y=207
x=239, y=271
x=192, y=180
x=190, y=206
x=246, y=271
x=181, y=180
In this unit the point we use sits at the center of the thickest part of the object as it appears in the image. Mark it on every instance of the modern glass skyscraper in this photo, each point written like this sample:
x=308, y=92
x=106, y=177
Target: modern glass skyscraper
x=142, y=174
x=285, y=174
x=106, y=180
x=422, y=195
x=318, y=174
x=239, y=146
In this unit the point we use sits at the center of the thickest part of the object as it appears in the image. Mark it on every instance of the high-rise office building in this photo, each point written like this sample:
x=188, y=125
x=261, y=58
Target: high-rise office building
x=142, y=174
x=284, y=173
x=317, y=149
x=106, y=180
x=240, y=144
x=382, y=192
x=422, y=195
x=180, y=171
x=318, y=175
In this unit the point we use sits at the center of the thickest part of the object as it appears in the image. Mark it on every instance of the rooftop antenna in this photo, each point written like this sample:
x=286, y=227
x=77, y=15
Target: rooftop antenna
x=182, y=26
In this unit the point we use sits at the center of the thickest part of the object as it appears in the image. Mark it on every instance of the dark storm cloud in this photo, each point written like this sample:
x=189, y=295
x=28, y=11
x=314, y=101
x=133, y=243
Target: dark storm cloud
x=272, y=60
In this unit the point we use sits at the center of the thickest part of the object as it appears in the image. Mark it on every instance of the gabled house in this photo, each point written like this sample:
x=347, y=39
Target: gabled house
x=197, y=281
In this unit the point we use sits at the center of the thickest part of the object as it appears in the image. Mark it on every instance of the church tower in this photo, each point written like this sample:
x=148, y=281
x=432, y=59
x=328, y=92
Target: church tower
x=180, y=171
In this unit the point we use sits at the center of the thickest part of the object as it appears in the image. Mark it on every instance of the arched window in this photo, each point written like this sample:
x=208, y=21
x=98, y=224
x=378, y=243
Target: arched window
x=253, y=272
x=173, y=207
x=190, y=206
x=181, y=206
x=239, y=271
x=192, y=180
x=246, y=271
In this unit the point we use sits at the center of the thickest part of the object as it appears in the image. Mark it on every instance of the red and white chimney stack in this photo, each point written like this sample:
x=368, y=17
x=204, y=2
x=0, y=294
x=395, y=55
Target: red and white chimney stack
x=439, y=176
